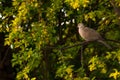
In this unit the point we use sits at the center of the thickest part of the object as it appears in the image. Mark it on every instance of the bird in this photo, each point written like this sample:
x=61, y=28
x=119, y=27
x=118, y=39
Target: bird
x=89, y=34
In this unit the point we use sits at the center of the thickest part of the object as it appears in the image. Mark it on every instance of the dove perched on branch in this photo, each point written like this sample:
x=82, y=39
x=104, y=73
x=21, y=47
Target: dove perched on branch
x=90, y=34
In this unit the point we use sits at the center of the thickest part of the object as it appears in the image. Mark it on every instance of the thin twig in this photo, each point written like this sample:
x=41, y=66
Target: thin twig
x=82, y=63
x=113, y=40
x=83, y=43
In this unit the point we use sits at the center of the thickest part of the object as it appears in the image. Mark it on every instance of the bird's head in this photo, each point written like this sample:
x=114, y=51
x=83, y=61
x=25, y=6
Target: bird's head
x=80, y=25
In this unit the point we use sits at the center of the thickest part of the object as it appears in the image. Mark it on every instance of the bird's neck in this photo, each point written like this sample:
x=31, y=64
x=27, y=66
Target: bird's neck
x=81, y=27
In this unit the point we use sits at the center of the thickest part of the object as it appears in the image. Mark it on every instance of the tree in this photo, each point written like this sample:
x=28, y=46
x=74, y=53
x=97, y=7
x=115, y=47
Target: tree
x=42, y=37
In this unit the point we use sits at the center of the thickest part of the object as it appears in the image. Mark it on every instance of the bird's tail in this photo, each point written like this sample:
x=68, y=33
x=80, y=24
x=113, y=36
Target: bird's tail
x=103, y=42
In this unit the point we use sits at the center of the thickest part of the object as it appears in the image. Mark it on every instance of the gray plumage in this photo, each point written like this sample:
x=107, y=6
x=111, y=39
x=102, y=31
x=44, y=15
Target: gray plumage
x=90, y=34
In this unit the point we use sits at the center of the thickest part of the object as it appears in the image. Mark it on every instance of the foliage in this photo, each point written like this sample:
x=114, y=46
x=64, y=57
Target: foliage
x=39, y=32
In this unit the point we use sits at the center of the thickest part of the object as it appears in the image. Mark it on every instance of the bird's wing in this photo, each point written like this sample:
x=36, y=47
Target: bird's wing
x=91, y=34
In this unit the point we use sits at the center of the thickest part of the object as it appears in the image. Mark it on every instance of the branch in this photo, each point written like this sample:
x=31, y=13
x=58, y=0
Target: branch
x=113, y=41
x=83, y=43
x=66, y=47
x=116, y=8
